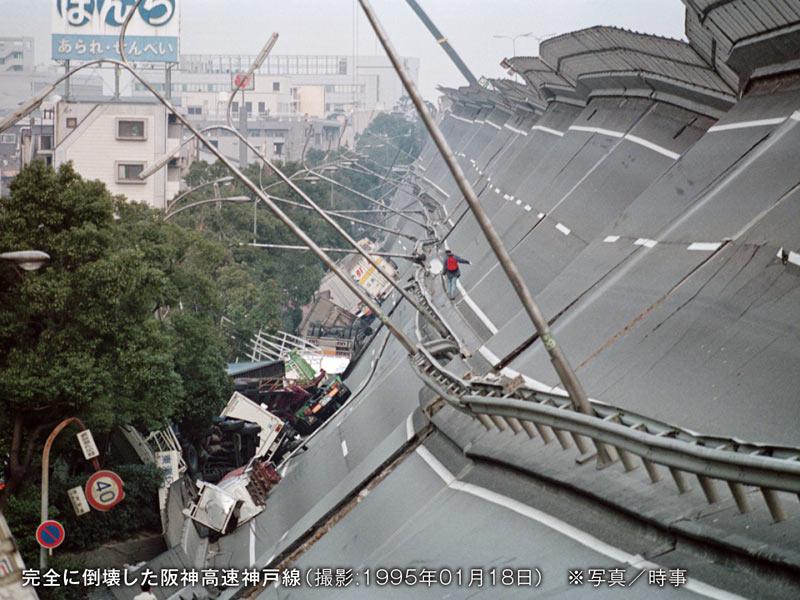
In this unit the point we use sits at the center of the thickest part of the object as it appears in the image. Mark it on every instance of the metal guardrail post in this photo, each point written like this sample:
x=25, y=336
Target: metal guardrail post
x=565, y=372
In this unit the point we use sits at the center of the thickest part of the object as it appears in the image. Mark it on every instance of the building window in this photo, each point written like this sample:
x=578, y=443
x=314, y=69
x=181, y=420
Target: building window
x=248, y=107
x=262, y=108
x=47, y=114
x=195, y=110
x=276, y=86
x=46, y=142
x=235, y=107
x=278, y=147
x=214, y=143
x=72, y=122
x=131, y=129
x=343, y=66
x=8, y=138
x=129, y=172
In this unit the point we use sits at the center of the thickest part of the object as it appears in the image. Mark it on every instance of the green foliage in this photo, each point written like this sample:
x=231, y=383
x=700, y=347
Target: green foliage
x=138, y=513
x=80, y=337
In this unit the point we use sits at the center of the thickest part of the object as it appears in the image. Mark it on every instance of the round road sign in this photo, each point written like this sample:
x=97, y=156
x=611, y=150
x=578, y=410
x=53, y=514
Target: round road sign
x=50, y=534
x=104, y=490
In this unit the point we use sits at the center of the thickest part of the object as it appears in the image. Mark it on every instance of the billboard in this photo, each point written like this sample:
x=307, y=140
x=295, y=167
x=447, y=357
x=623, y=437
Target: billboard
x=85, y=30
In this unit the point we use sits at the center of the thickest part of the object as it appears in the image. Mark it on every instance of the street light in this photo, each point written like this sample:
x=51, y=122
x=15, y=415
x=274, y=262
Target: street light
x=27, y=260
x=514, y=39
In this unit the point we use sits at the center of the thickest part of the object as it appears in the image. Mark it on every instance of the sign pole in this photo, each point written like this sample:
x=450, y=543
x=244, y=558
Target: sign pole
x=46, y=477
x=243, y=131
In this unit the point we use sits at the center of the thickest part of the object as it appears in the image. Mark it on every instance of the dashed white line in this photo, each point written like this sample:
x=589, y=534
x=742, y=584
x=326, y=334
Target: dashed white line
x=631, y=138
x=563, y=228
x=528, y=207
x=252, y=548
x=651, y=146
x=493, y=125
x=600, y=130
x=792, y=257
x=410, y=426
x=547, y=130
x=704, y=246
x=611, y=239
x=515, y=130
x=747, y=124
x=645, y=242
x=344, y=448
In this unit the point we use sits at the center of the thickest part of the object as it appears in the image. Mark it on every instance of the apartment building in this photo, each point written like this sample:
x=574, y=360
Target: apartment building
x=115, y=140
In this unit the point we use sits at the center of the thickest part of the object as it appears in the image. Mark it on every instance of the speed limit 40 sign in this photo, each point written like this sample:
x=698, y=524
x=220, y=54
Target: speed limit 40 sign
x=104, y=490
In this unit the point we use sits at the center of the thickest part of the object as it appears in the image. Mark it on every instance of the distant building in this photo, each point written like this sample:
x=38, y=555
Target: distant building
x=16, y=54
x=19, y=79
x=311, y=85
x=280, y=139
x=115, y=140
x=30, y=139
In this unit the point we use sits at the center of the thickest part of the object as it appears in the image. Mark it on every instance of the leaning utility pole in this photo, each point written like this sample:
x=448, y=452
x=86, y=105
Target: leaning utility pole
x=562, y=367
x=442, y=41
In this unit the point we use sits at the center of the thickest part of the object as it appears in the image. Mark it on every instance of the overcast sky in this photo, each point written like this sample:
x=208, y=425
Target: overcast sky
x=327, y=27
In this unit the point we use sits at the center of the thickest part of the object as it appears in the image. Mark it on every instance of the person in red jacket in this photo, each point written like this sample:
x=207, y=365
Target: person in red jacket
x=452, y=272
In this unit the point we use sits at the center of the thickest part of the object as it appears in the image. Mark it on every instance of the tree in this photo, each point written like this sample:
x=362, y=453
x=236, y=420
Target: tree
x=80, y=337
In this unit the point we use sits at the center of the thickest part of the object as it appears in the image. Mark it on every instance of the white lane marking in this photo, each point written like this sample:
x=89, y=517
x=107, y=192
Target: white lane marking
x=600, y=130
x=631, y=138
x=344, y=448
x=563, y=229
x=252, y=553
x=283, y=537
x=511, y=197
x=477, y=309
x=747, y=124
x=496, y=190
x=493, y=125
x=795, y=116
x=518, y=202
x=645, y=242
x=611, y=239
x=540, y=215
x=792, y=257
x=704, y=246
x=528, y=207
x=460, y=118
x=651, y=146
x=563, y=528
x=479, y=121
x=547, y=130
x=515, y=130
x=410, y=426
x=437, y=467
x=506, y=197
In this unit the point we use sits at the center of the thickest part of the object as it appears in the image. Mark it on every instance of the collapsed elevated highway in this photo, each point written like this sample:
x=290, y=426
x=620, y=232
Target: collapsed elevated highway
x=647, y=190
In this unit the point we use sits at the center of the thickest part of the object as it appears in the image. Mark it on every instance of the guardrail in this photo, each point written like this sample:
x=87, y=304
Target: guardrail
x=503, y=404
x=515, y=407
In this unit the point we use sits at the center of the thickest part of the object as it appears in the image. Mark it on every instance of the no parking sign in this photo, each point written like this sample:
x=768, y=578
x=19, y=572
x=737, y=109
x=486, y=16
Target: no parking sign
x=50, y=534
x=104, y=490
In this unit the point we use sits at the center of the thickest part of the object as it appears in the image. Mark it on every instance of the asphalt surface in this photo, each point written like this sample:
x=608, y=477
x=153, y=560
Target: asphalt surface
x=437, y=512
x=651, y=238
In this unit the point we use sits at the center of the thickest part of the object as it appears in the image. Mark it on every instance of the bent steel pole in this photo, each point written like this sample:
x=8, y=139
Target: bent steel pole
x=368, y=198
x=442, y=41
x=565, y=372
x=298, y=232
x=339, y=229
x=411, y=257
